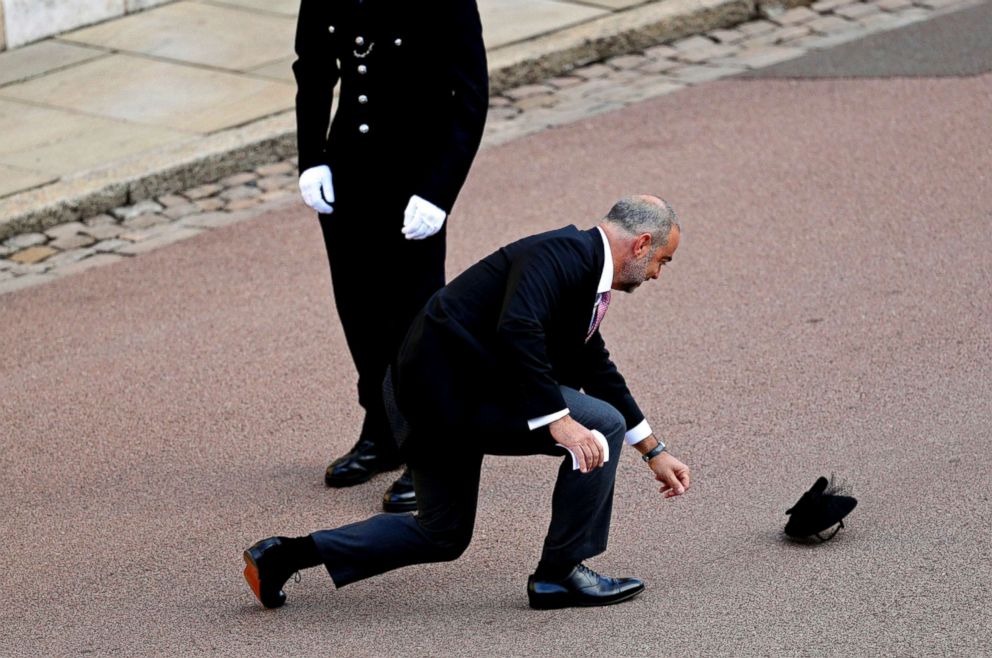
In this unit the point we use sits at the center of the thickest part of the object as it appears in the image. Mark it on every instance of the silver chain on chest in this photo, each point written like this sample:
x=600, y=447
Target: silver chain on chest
x=366, y=53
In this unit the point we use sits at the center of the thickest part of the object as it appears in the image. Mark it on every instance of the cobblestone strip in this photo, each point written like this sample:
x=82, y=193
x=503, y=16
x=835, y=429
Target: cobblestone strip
x=782, y=34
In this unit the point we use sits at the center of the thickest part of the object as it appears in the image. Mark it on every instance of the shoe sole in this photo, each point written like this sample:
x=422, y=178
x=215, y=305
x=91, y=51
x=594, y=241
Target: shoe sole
x=251, y=576
x=254, y=581
x=565, y=601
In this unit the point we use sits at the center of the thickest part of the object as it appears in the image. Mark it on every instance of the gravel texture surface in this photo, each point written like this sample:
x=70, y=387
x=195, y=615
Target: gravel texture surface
x=828, y=312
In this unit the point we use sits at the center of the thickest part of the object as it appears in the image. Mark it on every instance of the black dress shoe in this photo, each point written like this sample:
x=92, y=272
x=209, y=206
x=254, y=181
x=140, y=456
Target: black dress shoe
x=400, y=496
x=359, y=465
x=581, y=587
x=267, y=570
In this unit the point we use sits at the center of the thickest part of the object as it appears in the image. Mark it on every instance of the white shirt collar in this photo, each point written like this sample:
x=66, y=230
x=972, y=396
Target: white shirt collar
x=606, y=280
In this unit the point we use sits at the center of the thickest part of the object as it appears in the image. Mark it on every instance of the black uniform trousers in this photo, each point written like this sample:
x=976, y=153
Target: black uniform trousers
x=380, y=281
x=446, y=468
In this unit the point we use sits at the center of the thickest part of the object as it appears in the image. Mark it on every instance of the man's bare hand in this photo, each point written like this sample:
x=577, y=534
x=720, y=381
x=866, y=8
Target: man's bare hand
x=570, y=433
x=673, y=474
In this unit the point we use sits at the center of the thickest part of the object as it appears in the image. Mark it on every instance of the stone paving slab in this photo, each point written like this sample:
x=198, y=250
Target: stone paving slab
x=28, y=20
x=510, y=21
x=186, y=164
x=15, y=178
x=54, y=142
x=210, y=35
x=163, y=94
x=285, y=7
x=40, y=58
x=281, y=70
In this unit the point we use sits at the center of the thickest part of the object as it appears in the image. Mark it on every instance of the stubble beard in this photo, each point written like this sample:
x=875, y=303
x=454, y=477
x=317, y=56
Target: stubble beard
x=633, y=273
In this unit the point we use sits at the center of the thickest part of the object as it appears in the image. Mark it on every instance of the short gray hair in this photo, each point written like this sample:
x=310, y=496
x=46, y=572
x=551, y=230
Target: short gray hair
x=644, y=214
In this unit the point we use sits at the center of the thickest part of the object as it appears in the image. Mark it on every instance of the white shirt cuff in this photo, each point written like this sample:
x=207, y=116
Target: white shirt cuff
x=638, y=434
x=541, y=421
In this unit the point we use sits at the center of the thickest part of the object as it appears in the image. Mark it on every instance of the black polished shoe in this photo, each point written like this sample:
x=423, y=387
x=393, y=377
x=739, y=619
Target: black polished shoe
x=359, y=465
x=400, y=496
x=581, y=587
x=267, y=570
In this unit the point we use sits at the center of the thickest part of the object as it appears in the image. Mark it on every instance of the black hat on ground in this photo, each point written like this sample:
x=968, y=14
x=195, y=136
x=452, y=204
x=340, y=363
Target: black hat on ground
x=820, y=508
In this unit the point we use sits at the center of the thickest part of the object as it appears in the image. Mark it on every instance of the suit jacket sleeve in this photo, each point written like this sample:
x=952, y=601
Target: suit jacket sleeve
x=536, y=284
x=317, y=73
x=469, y=80
x=602, y=380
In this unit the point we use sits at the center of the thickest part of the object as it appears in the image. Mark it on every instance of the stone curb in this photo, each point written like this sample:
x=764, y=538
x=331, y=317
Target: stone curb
x=167, y=170
x=616, y=34
x=205, y=159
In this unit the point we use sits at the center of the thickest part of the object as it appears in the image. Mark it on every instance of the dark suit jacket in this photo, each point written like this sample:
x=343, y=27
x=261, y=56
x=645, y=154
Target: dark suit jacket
x=411, y=122
x=511, y=329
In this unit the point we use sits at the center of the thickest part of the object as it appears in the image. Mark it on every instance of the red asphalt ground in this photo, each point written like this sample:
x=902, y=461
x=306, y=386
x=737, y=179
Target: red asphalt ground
x=829, y=311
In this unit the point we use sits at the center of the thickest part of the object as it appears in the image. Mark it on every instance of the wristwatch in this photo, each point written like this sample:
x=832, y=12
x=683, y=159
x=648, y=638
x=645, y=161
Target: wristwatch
x=654, y=452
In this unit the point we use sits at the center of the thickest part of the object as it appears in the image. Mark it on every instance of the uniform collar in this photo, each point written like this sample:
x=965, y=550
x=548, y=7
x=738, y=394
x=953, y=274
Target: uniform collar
x=606, y=279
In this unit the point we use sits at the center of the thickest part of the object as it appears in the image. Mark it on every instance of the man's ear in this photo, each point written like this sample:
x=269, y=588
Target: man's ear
x=642, y=244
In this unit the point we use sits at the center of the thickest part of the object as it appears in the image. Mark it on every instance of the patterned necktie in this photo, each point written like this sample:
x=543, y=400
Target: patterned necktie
x=604, y=303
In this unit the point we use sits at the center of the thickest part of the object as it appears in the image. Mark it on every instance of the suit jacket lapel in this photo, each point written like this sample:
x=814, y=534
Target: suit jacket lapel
x=599, y=261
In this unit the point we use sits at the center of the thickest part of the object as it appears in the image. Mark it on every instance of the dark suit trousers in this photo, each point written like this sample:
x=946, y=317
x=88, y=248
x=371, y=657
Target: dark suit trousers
x=380, y=281
x=446, y=478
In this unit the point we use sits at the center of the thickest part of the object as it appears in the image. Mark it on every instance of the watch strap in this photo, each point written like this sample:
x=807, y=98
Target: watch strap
x=654, y=452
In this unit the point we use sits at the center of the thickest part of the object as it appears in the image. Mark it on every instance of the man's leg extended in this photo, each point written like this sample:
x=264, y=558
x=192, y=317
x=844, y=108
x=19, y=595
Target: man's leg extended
x=447, y=493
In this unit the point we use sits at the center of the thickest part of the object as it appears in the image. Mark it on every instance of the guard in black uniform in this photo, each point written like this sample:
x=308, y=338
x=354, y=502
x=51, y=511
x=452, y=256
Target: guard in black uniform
x=412, y=107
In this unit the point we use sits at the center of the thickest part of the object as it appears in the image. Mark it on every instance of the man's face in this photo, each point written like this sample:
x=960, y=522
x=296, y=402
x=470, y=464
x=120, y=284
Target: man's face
x=636, y=271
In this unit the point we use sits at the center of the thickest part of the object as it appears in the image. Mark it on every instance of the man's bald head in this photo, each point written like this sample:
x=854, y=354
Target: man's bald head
x=643, y=213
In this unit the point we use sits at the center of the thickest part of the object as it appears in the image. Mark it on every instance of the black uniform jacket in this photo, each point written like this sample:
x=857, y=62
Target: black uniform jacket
x=509, y=330
x=413, y=98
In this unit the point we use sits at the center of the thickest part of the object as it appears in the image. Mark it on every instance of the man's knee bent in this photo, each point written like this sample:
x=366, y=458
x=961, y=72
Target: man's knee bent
x=448, y=545
x=596, y=414
x=612, y=424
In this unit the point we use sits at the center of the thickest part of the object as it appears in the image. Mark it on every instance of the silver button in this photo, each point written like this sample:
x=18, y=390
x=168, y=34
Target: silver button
x=399, y=42
x=362, y=69
x=364, y=128
x=330, y=28
x=363, y=99
x=359, y=41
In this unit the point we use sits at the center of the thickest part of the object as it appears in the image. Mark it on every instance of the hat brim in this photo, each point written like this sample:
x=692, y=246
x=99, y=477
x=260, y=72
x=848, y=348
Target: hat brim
x=827, y=512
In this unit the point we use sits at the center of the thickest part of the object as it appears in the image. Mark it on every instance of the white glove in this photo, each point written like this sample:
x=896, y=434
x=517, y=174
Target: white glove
x=317, y=189
x=422, y=219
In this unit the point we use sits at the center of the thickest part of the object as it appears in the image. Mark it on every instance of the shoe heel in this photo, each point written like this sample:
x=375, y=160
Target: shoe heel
x=549, y=601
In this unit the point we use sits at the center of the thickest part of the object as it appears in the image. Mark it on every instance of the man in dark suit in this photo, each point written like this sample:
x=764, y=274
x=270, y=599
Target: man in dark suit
x=413, y=101
x=494, y=364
